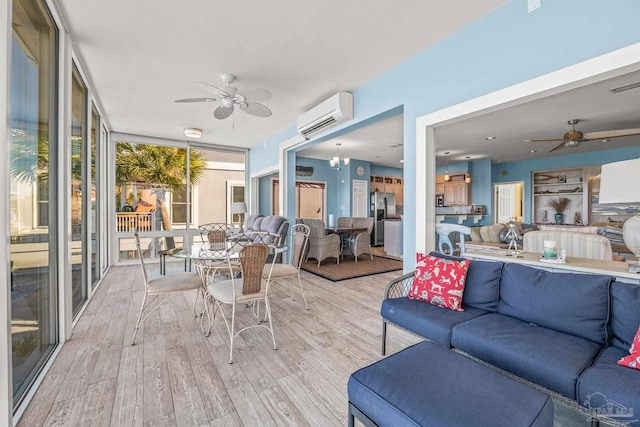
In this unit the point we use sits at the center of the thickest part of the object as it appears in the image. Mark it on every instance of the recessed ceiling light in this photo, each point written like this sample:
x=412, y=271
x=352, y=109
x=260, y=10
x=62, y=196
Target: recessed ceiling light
x=533, y=151
x=605, y=140
x=193, y=132
x=401, y=161
x=489, y=138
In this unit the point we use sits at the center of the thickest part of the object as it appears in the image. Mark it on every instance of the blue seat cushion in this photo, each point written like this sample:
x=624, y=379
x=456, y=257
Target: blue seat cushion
x=481, y=289
x=428, y=385
x=625, y=314
x=546, y=357
x=577, y=304
x=429, y=321
x=607, y=386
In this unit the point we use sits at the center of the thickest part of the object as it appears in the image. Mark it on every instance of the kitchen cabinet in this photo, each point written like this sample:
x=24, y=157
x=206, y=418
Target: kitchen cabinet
x=456, y=191
x=388, y=184
x=456, y=194
x=440, y=184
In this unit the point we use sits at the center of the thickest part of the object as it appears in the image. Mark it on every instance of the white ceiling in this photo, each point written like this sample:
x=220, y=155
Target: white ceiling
x=143, y=55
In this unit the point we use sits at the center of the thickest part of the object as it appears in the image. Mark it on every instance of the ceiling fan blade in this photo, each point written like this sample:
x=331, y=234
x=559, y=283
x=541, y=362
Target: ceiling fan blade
x=255, y=109
x=544, y=140
x=558, y=147
x=195, y=100
x=255, y=94
x=607, y=134
x=213, y=89
x=222, y=112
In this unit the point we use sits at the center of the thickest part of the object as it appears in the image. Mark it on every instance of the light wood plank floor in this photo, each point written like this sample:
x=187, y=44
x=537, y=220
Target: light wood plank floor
x=175, y=376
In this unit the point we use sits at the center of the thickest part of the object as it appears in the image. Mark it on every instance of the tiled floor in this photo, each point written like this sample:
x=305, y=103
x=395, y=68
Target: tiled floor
x=177, y=376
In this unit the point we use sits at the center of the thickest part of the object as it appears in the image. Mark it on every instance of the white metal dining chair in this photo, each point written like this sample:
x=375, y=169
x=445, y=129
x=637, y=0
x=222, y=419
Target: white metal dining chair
x=250, y=289
x=444, y=230
x=168, y=285
x=291, y=272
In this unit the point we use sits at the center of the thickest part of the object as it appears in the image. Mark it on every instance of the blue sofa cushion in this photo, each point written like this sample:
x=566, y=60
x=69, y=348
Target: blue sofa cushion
x=546, y=357
x=429, y=321
x=625, y=314
x=427, y=385
x=577, y=304
x=607, y=386
x=481, y=289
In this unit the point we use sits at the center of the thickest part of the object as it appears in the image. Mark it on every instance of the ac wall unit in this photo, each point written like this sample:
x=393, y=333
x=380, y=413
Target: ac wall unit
x=328, y=113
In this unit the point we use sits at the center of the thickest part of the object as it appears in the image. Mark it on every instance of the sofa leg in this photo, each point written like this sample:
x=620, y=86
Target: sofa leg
x=384, y=337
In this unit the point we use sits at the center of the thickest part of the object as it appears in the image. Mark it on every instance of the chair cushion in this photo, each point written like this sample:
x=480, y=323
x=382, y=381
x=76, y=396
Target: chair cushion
x=272, y=223
x=427, y=385
x=577, y=304
x=550, y=358
x=625, y=314
x=439, y=281
x=280, y=271
x=608, y=387
x=429, y=321
x=475, y=234
x=223, y=291
x=174, y=283
x=250, y=223
x=482, y=287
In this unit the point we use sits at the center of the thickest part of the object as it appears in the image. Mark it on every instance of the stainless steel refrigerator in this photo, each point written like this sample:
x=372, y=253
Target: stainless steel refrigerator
x=383, y=206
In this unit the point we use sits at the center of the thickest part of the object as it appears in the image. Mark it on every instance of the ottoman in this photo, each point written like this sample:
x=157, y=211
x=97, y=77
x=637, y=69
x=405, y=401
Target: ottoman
x=428, y=385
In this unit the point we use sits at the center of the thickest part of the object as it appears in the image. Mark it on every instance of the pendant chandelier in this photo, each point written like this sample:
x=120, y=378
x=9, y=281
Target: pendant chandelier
x=337, y=163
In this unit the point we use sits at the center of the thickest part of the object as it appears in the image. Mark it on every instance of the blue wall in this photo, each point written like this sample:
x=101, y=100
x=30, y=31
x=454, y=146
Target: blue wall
x=521, y=171
x=505, y=47
x=264, y=199
x=386, y=171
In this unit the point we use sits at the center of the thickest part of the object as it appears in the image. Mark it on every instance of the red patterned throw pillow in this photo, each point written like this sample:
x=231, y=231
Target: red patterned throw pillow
x=439, y=281
x=633, y=359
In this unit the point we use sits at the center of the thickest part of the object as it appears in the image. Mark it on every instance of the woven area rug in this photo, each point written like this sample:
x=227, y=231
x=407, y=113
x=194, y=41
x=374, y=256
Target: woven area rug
x=348, y=269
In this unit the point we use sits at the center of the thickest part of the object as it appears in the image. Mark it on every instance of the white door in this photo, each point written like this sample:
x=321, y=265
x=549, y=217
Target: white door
x=359, y=198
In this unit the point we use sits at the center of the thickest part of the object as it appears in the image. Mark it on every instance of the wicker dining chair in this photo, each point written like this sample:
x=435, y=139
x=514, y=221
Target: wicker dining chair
x=168, y=285
x=251, y=288
x=360, y=242
x=291, y=272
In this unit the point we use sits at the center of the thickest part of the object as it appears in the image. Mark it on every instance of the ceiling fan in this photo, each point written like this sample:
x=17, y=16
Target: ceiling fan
x=574, y=138
x=248, y=100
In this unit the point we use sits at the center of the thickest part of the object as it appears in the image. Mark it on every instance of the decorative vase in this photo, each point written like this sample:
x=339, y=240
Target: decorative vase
x=559, y=217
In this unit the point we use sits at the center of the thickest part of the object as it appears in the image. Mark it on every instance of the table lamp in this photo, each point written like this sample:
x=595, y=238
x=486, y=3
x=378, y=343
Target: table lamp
x=239, y=208
x=618, y=184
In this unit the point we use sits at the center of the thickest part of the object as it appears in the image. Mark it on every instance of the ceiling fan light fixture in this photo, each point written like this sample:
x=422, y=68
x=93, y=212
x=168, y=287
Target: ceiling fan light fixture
x=192, y=132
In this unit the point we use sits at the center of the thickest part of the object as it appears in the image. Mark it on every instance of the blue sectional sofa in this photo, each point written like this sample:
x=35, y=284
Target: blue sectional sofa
x=563, y=332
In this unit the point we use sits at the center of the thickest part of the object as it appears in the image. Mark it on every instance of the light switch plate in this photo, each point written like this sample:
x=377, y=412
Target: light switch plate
x=534, y=4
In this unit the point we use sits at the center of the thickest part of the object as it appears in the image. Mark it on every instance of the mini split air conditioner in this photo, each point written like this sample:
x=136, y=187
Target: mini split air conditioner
x=330, y=112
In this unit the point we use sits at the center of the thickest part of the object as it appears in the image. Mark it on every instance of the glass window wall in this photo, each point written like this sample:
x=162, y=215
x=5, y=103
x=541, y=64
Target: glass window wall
x=79, y=189
x=33, y=191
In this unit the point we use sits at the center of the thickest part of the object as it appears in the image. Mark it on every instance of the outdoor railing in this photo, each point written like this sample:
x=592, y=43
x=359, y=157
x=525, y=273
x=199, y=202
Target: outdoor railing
x=128, y=221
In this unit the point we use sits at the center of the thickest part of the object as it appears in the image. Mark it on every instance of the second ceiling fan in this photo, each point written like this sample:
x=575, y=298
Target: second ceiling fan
x=574, y=138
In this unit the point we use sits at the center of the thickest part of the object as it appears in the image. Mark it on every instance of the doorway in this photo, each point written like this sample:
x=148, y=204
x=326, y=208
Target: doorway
x=508, y=201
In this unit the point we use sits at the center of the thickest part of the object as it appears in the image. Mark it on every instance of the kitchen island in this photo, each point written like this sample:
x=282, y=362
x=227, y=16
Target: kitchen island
x=393, y=237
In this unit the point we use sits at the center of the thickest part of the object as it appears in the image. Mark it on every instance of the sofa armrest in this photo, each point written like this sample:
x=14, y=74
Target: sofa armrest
x=400, y=286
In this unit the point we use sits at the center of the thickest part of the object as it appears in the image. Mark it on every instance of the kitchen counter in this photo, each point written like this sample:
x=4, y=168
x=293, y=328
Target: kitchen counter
x=393, y=237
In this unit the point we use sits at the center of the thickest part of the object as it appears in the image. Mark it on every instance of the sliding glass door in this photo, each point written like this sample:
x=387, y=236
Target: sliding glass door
x=33, y=198
x=79, y=190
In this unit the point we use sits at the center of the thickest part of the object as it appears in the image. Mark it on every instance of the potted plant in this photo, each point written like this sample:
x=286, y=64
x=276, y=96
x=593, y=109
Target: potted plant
x=559, y=205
